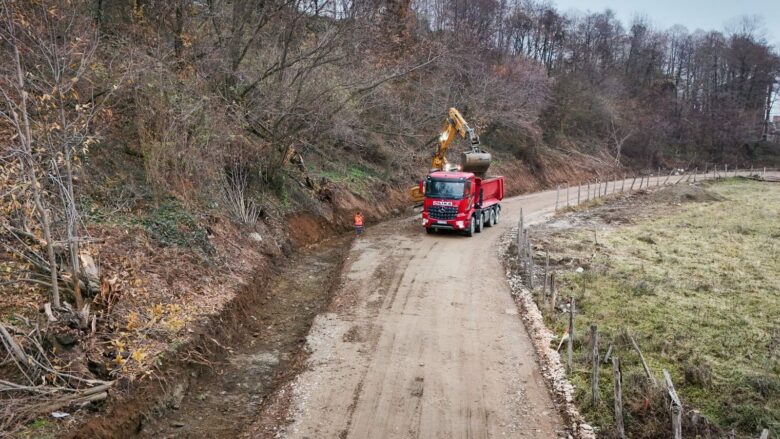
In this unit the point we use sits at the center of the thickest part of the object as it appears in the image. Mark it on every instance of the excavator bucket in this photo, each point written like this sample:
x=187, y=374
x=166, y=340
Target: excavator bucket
x=476, y=162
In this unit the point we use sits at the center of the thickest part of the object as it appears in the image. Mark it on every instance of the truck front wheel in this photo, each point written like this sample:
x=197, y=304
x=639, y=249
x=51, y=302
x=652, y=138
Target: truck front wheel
x=480, y=220
x=429, y=230
x=470, y=231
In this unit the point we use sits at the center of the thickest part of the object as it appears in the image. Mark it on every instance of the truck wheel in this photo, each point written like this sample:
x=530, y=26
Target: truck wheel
x=470, y=231
x=490, y=218
x=429, y=230
x=480, y=222
x=498, y=214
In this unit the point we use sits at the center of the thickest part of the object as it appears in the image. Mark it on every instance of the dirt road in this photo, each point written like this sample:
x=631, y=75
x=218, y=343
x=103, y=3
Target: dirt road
x=423, y=340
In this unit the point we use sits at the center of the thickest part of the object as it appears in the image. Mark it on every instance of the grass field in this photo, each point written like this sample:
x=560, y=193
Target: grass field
x=699, y=288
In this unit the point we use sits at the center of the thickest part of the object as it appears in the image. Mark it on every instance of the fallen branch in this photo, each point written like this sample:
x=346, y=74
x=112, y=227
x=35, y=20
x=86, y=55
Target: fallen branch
x=13, y=346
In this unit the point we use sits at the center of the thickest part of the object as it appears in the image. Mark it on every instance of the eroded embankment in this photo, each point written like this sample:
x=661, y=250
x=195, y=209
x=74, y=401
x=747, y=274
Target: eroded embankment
x=232, y=363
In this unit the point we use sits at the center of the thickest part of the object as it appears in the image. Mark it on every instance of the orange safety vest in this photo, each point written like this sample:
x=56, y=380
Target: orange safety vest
x=359, y=220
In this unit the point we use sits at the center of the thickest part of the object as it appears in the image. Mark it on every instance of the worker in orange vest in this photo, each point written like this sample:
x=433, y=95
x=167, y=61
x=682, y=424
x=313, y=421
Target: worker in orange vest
x=358, y=224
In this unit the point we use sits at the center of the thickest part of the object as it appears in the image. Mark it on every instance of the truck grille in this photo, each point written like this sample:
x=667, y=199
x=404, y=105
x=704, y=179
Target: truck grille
x=442, y=212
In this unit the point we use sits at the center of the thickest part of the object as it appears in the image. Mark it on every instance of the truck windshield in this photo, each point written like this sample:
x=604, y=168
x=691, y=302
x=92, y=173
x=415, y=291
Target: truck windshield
x=450, y=189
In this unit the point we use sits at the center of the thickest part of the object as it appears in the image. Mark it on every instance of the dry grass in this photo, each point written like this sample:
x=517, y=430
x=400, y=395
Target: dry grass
x=699, y=286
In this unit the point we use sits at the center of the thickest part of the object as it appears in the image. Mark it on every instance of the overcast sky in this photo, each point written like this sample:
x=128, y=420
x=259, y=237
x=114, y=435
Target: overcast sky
x=693, y=14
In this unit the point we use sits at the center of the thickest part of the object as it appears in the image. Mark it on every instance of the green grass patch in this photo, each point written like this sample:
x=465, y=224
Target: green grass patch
x=700, y=290
x=357, y=178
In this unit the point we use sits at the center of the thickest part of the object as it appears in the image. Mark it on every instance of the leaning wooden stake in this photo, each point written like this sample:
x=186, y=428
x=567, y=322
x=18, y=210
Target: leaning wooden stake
x=644, y=363
x=621, y=431
x=623, y=184
x=632, y=185
x=570, y=344
x=587, y=194
x=667, y=177
x=557, y=196
x=578, y=193
x=609, y=352
x=594, y=352
x=676, y=407
x=567, y=194
x=658, y=177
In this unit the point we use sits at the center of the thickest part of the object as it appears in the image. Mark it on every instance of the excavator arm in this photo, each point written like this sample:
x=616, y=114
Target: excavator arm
x=474, y=161
x=453, y=126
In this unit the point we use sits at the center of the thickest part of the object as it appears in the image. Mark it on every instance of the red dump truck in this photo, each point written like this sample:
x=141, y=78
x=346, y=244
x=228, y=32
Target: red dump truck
x=460, y=201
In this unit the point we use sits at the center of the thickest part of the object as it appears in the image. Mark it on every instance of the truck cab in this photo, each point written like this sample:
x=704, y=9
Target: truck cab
x=460, y=201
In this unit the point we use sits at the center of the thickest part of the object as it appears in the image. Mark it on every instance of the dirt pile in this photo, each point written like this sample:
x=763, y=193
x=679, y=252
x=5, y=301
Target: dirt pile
x=683, y=194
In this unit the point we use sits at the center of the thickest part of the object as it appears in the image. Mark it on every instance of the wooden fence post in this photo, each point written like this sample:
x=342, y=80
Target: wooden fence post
x=594, y=380
x=557, y=196
x=623, y=184
x=525, y=243
x=695, y=171
x=578, y=194
x=632, y=185
x=621, y=431
x=553, y=292
x=520, y=229
x=567, y=194
x=570, y=344
x=606, y=187
x=763, y=175
x=588, y=193
x=546, y=273
x=676, y=407
x=658, y=177
x=530, y=267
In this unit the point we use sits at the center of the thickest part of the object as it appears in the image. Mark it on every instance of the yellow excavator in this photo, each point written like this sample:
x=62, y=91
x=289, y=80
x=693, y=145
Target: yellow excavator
x=475, y=160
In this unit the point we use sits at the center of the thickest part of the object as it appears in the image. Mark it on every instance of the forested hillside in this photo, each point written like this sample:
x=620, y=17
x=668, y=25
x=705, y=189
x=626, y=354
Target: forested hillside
x=141, y=140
